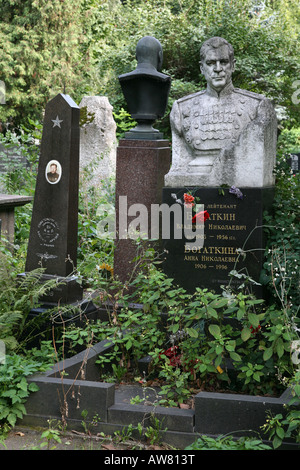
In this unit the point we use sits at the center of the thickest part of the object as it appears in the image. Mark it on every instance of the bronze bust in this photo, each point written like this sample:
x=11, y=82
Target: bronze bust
x=146, y=89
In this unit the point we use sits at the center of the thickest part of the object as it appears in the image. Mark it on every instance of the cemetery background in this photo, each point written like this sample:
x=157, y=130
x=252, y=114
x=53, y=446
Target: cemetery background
x=96, y=256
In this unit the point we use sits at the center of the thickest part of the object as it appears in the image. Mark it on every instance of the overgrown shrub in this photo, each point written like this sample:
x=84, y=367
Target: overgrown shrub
x=281, y=269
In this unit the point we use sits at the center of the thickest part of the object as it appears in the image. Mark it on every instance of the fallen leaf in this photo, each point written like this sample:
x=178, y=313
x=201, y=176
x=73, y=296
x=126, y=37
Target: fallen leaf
x=19, y=433
x=108, y=447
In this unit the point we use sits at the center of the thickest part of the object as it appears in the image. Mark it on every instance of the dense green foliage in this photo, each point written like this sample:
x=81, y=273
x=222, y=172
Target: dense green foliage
x=281, y=269
x=42, y=53
x=265, y=42
x=84, y=45
x=15, y=387
x=227, y=443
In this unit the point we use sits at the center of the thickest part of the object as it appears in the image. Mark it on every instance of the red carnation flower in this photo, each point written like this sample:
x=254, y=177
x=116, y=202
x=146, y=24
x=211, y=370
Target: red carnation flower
x=172, y=355
x=255, y=330
x=200, y=217
x=188, y=200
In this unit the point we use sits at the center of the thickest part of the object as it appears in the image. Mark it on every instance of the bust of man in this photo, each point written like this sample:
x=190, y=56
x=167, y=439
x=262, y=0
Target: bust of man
x=146, y=89
x=222, y=135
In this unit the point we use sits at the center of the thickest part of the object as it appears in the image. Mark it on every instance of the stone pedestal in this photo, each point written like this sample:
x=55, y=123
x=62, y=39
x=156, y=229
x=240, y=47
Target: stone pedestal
x=233, y=224
x=140, y=170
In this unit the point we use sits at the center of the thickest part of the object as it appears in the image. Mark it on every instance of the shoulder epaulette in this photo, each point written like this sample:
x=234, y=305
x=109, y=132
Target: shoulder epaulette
x=192, y=95
x=250, y=94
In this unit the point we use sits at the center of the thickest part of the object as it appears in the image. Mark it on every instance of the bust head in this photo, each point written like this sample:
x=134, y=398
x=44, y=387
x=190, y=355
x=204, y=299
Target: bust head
x=217, y=63
x=149, y=52
x=146, y=89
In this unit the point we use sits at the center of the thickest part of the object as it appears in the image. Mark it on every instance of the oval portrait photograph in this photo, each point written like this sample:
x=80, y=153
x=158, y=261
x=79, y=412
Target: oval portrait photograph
x=53, y=172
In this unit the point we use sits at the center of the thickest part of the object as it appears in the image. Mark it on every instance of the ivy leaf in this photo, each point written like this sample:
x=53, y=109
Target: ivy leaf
x=279, y=347
x=212, y=312
x=230, y=346
x=245, y=334
x=192, y=332
x=219, y=303
x=218, y=361
x=268, y=353
x=174, y=328
x=214, y=330
x=256, y=376
x=276, y=442
x=12, y=418
x=23, y=384
x=253, y=319
x=240, y=314
x=280, y=433
x=235, y=356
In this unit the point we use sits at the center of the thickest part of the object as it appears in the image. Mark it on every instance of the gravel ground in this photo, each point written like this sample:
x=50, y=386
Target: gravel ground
x=31, y=439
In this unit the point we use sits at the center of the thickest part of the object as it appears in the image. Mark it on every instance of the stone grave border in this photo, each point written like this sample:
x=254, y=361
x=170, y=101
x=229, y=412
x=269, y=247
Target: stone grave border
x=214, y=413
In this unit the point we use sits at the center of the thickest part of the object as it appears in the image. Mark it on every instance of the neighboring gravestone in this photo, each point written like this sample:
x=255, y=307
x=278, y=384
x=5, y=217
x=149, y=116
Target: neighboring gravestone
x=222, y=137
x=97, y=138
x=11, y=159
x=293, y=161
x=53, y=232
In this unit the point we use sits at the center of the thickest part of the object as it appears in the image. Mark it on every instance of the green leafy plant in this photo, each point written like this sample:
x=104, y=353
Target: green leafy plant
x=284, y=426
x=251, y=372
x=87, y=425
x=153, y=432
x=18, y=296
x=228, y=443
x=19, y=159
x=124, y=122
x=14, y=387
x=176, y=389
x=282, y=250
x=49, y=435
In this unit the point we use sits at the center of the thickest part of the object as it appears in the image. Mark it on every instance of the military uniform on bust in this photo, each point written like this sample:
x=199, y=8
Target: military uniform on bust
x=207, y=128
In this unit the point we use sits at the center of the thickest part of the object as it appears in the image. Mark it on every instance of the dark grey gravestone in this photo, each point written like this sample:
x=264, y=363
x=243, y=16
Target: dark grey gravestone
x=233, y=224
x=54, y=225
x=293, y=161
x=11, y=158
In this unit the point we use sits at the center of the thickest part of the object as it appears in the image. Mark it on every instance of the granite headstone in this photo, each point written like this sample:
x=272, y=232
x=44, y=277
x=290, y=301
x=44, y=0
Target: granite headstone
x=223, y=146
x=294, y=162
x=232, y=240
x=54, y=225
x=97, y=139
x=11, y=157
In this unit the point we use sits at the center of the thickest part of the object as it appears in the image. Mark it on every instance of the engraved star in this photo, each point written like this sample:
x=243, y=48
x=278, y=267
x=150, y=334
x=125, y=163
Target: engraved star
x=56, y=121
